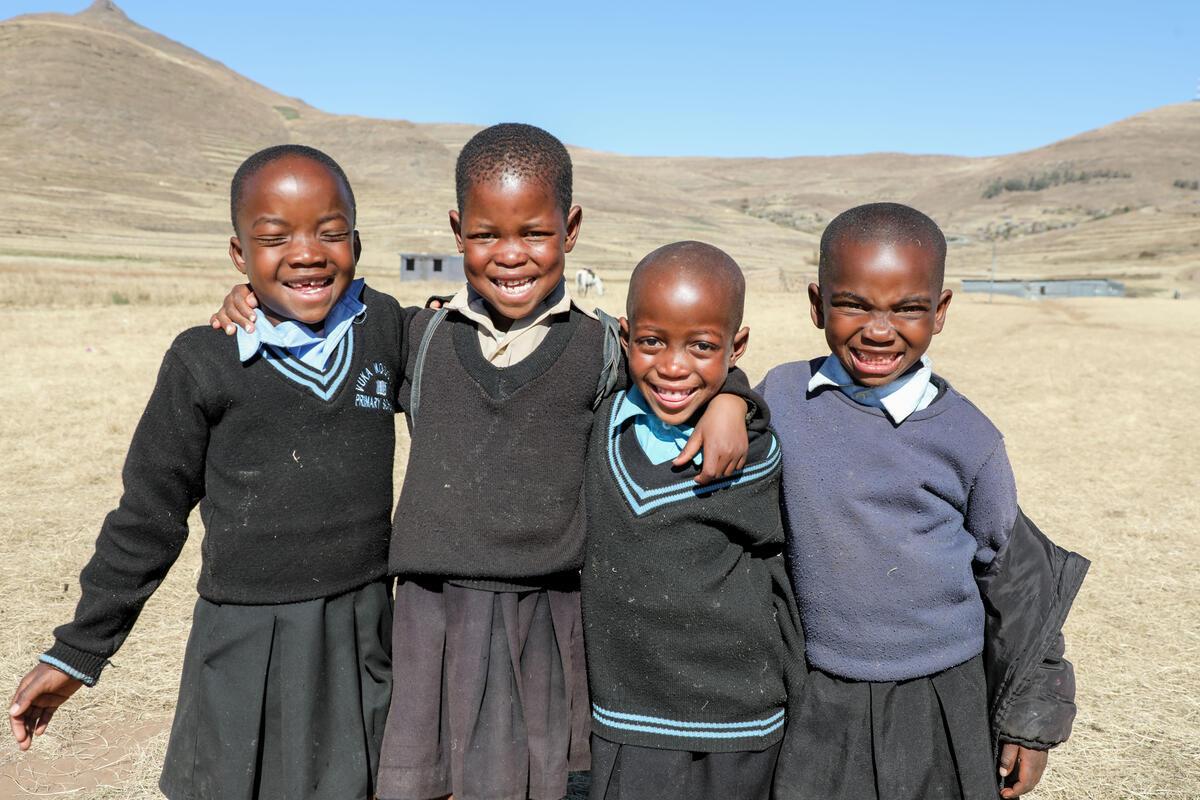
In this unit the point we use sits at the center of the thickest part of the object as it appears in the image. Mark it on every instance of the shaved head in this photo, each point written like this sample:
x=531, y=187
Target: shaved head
x=694, y=265
x=883, y=224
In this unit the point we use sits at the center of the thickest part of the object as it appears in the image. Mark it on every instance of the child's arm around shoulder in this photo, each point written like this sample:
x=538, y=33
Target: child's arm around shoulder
x=721, y=432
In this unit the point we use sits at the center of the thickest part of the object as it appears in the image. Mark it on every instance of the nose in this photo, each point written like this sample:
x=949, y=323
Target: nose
x=305, y=252
x=672, y=364
x=510, y=253
x=879, y=329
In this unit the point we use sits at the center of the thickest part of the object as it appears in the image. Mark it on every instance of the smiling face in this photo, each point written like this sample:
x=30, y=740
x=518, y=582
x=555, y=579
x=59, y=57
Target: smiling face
x=681, y=338
x=295, y=239
x=880, y=308
x=514, y=239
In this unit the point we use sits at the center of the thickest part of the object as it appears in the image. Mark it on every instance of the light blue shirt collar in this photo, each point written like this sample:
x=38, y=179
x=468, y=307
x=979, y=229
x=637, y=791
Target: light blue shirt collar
x=899, y=399
x=298, y=339
x=659, y=441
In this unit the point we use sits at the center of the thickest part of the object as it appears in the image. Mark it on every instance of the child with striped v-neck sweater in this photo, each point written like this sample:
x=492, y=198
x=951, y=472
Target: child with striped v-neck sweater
x=286, y=439
x=692, y=635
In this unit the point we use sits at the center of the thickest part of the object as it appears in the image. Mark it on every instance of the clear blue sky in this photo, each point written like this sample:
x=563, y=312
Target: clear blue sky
x=730, y=78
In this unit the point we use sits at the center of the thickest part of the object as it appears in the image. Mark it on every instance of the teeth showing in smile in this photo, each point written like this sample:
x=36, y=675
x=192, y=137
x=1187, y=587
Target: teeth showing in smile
x=513, y=287
x=309, y=285
x=875, y=359
x=672, y=396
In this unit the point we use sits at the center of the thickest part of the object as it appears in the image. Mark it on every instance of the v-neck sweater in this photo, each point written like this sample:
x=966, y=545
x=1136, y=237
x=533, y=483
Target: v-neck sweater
x=493, y=492
x=291, y=467
x=689, y=621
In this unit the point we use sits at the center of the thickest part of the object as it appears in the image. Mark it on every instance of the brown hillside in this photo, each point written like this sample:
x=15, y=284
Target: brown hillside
x=118, y=143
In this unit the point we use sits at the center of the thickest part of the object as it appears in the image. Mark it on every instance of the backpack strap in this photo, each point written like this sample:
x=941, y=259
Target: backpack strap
x=414, y=399
x=611, y=367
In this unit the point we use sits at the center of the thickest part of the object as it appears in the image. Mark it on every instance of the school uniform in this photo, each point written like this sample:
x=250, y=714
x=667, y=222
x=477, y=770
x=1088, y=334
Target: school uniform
x=286, y=442
x=902, y=507
x=690, y=625
x=490, y=697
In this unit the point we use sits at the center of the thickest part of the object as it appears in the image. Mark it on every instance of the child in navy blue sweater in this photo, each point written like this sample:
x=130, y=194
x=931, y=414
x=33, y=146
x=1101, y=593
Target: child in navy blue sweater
x=931, y=607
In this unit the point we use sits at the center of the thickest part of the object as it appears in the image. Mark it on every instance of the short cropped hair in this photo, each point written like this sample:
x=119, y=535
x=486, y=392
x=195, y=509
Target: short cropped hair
x=512, y=148
x=255, y=163
x=697, y=261
x=884, y=223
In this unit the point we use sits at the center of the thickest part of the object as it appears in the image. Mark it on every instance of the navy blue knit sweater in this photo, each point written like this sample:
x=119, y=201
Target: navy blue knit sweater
x=886, y=525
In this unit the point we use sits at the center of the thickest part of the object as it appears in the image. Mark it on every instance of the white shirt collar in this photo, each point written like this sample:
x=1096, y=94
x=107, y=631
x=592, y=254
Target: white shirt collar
x=899, y=399
x=300, y=340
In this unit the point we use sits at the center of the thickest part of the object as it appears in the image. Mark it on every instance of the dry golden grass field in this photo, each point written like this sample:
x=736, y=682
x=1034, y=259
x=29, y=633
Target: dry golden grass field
x=115, y=158
x=1097, y=398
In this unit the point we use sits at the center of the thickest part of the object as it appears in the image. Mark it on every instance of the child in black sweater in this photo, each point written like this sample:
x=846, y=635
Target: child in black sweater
x=286, y=441
x=689, y=621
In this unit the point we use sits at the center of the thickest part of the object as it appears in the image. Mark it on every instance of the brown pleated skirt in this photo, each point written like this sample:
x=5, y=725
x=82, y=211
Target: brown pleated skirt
x=282, y=702
x=921, y=739
x=489, y=697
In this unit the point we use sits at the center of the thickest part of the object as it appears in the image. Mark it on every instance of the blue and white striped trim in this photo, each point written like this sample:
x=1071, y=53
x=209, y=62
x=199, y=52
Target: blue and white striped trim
x=323, y=384
x=86, y=680
x=643, y=500
x=750, y=729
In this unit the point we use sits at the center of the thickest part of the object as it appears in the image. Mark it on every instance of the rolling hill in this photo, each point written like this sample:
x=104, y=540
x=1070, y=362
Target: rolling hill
x=118, y=144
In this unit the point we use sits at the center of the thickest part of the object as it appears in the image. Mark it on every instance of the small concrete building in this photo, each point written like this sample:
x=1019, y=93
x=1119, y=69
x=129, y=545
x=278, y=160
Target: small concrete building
x=432, y=267
x=1065, y=287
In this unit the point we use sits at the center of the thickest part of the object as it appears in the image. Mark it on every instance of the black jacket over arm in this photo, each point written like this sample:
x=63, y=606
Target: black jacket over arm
x=1027, y=591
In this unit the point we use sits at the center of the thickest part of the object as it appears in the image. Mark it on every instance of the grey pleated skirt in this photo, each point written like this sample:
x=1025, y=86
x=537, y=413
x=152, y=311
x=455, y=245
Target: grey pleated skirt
x=283, y=701
x=922, y=739
x=490, y=695
x=630, y=772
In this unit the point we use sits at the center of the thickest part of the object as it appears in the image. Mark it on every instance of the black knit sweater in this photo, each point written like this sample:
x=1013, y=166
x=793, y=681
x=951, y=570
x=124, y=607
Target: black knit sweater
x=292, y=469
x=689, y=621
x=495, y=469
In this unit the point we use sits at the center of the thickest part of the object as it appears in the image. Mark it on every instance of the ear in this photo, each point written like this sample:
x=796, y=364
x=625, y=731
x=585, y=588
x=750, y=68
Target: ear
x=236, y=255
x=574, y=220
x=625, y=335
x=816, y=308
x=357, y=247
x=456, y=226
x=740, y=340
x=939, y=314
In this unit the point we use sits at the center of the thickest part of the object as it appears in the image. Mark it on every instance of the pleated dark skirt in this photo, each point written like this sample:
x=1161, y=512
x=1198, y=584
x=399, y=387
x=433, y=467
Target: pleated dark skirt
x=922, y=739
x=490, y=696
x=630, y=772
x=284, y=701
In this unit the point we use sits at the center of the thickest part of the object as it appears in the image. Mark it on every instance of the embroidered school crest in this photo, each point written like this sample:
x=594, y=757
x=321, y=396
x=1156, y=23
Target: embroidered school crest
x=373, y=388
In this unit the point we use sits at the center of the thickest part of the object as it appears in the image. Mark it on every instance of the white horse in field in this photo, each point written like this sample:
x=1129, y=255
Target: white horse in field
x=587, y=280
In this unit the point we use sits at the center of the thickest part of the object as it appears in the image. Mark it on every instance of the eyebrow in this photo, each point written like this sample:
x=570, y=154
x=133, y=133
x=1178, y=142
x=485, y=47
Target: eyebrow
x=914, y=298
x=264, y=220
x=331, y=217
x=849, y=296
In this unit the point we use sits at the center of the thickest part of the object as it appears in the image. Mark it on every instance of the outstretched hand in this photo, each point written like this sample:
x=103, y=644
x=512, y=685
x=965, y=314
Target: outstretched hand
x=1021, y=768
x=237, y=310
x=721, y=435
x=40, y=693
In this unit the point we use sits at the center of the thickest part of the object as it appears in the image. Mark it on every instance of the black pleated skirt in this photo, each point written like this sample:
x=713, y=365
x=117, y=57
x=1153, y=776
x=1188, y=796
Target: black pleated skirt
x=490, y=696
x=283, y=701
x=630, y=772
x=921, y=739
